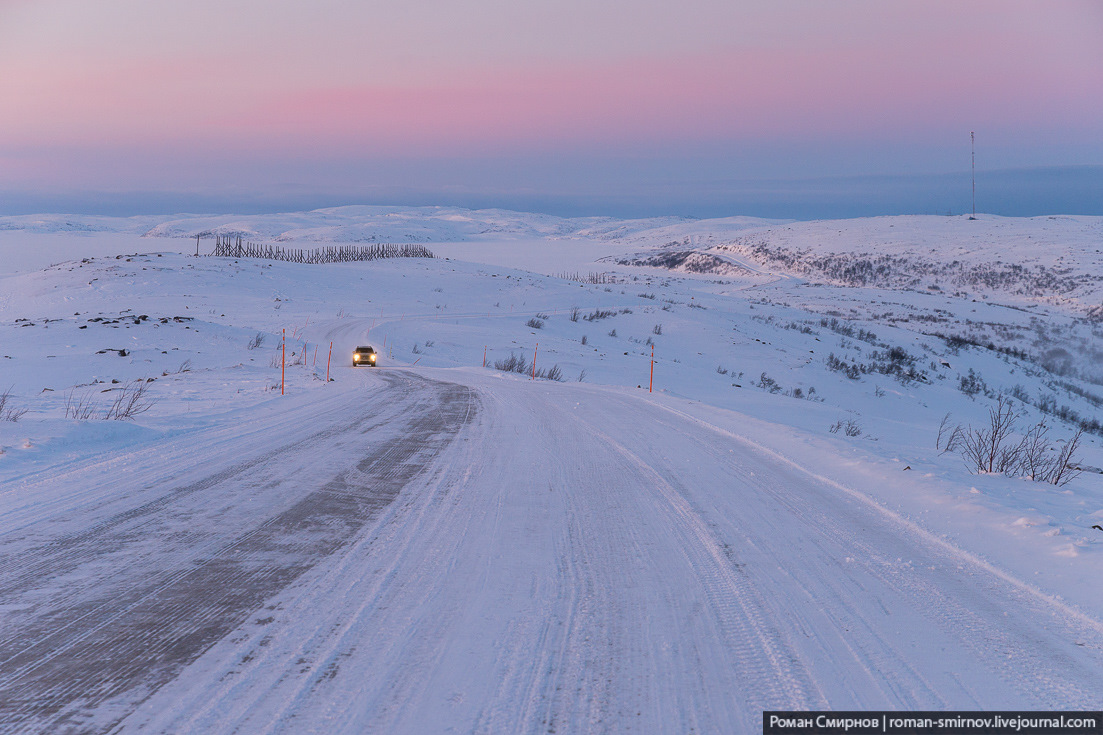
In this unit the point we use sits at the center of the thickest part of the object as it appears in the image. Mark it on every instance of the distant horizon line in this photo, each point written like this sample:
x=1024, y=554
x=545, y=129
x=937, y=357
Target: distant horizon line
x=1073, y=189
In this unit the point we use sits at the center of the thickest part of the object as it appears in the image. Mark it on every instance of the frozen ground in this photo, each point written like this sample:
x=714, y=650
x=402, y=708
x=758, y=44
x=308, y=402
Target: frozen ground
x=433, y=545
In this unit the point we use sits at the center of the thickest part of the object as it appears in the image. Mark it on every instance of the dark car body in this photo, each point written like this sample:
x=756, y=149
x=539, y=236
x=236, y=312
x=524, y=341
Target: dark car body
x=364, y=356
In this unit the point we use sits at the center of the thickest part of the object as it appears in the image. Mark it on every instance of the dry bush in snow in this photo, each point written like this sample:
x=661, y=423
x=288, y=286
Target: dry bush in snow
x=7, y=411
x=130, y=401
x=996, y=448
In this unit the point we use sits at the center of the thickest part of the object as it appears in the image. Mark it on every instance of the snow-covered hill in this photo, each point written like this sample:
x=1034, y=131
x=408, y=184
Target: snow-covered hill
x=1057, y=260
x=353, y=224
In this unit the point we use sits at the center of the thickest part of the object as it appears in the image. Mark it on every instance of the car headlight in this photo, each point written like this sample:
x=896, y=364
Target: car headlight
x=372, y=358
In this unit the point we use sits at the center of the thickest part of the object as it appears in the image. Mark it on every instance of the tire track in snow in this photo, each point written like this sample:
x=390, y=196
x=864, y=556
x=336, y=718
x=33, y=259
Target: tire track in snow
x=63, y=490
x=944, y=593
x=53, y=563
x=773, y=676
x=594, y=660
x=100, y=656
x=345, y=633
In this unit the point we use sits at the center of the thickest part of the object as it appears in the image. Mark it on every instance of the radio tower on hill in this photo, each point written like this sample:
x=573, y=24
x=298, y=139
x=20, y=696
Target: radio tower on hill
x=973, y=148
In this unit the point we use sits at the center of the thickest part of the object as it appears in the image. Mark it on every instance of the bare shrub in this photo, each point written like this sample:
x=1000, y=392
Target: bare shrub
x=574, y=314
x=1035, y=461
x=850, y=370
x=256, y=341
x=185, y=367
x=13, y=414
x=518, y=364
x=993, y=449
x=534, y=323
x=552, y=373
x=972, y=384
x=81, y=408
x=1064, y=471
x=850, y=427
x=585, y=341
x=130, y=401
x=948, y=438
x=985, y=449
x=512, y=364
x=765, y=382
x=657, y=329
x=7, y=411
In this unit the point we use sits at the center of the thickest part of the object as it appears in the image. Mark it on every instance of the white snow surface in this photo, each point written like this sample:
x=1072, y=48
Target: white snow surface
x=438, y=546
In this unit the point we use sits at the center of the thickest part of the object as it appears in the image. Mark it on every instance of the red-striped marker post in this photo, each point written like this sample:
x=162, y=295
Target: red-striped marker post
x=283, y=361
x=534, y=361
x=651, y=383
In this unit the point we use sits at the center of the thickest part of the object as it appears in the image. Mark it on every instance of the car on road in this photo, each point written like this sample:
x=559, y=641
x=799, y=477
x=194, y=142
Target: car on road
x=364, y=356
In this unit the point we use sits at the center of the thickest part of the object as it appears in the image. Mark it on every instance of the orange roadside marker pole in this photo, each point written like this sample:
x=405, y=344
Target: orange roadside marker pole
x=484, y=355
x=328, y=360
x=534, y=360
x=315, y=356
x=651, y=383
x=283, y=362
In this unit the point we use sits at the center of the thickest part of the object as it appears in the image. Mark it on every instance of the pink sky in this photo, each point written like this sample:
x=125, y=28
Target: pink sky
x=218, y=81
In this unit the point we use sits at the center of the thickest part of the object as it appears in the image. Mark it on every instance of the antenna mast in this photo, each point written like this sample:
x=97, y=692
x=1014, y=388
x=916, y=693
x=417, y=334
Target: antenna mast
x=973, y=148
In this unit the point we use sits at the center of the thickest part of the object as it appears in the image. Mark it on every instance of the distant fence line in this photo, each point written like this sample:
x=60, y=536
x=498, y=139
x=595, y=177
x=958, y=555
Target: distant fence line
x=226, y=247
x=596, y=279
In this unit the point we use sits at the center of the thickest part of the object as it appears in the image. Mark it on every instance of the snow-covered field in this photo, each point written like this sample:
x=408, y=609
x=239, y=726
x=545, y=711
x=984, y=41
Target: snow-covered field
x=438, y=545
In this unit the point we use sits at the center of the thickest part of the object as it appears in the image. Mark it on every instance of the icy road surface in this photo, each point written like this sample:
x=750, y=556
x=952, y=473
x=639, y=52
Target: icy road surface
x=431, y=551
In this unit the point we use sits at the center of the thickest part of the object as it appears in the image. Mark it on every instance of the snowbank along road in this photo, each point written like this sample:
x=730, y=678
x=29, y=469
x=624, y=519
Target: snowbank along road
x=454, y=550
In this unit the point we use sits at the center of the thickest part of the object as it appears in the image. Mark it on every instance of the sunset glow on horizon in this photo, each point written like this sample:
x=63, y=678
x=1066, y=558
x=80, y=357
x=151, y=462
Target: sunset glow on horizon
x=320, y=96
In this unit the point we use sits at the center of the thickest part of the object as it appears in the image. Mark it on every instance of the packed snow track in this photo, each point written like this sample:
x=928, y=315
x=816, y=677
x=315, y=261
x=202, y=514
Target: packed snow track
x=101, y=614
x=429, y=551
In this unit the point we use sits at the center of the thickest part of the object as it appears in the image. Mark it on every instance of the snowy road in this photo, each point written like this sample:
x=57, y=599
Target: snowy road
x=107, y=598
x=456, y=550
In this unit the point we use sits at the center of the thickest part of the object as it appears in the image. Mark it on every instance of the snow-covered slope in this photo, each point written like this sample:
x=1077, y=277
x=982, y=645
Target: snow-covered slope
x=444, y=224
x=352, y=224
x=795, y=415
x=77, y=223
x=1053, y=259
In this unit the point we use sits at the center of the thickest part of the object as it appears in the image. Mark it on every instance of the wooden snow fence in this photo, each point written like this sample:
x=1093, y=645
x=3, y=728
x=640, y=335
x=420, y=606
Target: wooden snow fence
x=226, y=247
